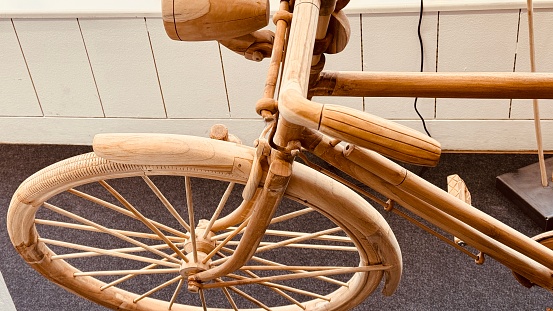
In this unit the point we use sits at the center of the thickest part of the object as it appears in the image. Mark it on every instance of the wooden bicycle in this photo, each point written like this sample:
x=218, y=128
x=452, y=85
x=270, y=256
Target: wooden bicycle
x=210, y=256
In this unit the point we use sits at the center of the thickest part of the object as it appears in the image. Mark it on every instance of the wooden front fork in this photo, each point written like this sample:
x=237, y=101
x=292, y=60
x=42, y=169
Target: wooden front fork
x=276, y=182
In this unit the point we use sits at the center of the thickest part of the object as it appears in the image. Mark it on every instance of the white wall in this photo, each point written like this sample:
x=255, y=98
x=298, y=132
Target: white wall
x=68, y=75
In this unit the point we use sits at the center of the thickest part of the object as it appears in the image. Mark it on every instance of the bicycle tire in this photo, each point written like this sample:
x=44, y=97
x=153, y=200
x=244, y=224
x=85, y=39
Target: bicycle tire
x=373, y=240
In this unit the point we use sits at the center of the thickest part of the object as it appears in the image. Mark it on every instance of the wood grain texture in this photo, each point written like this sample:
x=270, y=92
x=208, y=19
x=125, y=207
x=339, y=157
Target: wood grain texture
x=17, y=93
x=205, y=20
x=186, y=70
x=63, y=80
x=122, y=62
x=476, y=41
x=390, y=43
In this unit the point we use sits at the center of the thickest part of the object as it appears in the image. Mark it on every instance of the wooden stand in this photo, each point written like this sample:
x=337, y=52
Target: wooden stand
x=523, y=187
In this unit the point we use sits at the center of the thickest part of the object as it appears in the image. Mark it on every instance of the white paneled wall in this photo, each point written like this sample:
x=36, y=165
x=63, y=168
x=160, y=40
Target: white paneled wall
x=63, y=80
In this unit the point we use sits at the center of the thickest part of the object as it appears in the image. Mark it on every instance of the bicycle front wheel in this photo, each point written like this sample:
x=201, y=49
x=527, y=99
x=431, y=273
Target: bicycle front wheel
x=121, y=236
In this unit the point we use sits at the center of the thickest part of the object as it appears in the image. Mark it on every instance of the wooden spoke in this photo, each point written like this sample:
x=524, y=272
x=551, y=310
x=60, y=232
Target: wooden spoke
x=248, y=297
x=290, y=268
x=166, y=202
x=299, y=276
x=272, y=263
x=94, y=251
x=190, y=204
x=146, y=221
x=278, y=291
x=283, y=287
x=155, y=289
x=220, y=207
x=123, y=272
x=108, y=231
x=229, y=297
x=292, y=215
x=308, y=246
x=130, y=276
x=226, y=241
x=297, y=239
x=202, y=298
x=176, y=293
x=90, y=228
x=123, y=211
x=332, y=238
x=273, y=221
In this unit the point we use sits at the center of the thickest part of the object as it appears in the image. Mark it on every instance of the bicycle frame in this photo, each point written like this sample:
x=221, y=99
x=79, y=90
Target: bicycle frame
x=305, y=124
x=518, y=252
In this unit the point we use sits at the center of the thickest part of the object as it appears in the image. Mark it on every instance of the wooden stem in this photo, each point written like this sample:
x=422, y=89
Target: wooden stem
x=535, y=104
x=190, y=205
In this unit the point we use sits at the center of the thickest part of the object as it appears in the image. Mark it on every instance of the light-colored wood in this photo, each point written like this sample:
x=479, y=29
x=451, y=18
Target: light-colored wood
x=166, y=202
x=212, y=20
x=254, y=46
x=124, y=211
x=107, y=230
x=363, y=129
x=141, y=217
x=436, y=84
x=369, y=169
x=535, y=104
x=157, y=288
x=90, y=228
x=351, y=212
x=299, y=275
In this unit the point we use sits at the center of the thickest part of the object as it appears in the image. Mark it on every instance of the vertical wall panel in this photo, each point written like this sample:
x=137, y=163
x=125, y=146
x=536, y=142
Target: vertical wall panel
x=17, y=96
x=190, y=74
x=59, y=66
x=543, y=37
x=390, y=43
x=347, y=60
x=476, y=41
x=122, y=62
x=245, y=80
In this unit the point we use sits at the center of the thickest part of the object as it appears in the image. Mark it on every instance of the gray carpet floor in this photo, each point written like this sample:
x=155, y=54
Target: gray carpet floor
x=435, y=277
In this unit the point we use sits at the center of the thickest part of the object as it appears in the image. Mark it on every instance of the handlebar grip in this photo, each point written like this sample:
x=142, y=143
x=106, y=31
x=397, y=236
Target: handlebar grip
x=363, y=129
x=383, y=136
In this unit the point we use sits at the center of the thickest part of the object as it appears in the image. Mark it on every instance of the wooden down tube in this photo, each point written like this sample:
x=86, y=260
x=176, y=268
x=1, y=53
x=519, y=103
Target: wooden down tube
x=435, y=84
x=524, y=255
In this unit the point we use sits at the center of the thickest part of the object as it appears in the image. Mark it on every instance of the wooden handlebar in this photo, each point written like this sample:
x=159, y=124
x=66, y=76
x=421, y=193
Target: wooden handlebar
x=363, y=129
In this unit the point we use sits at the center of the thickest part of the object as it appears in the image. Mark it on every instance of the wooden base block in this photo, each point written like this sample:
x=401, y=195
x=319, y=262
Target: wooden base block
x=524, y=188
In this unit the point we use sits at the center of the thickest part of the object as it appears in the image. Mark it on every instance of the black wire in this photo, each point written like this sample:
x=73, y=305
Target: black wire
x=422, y=67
